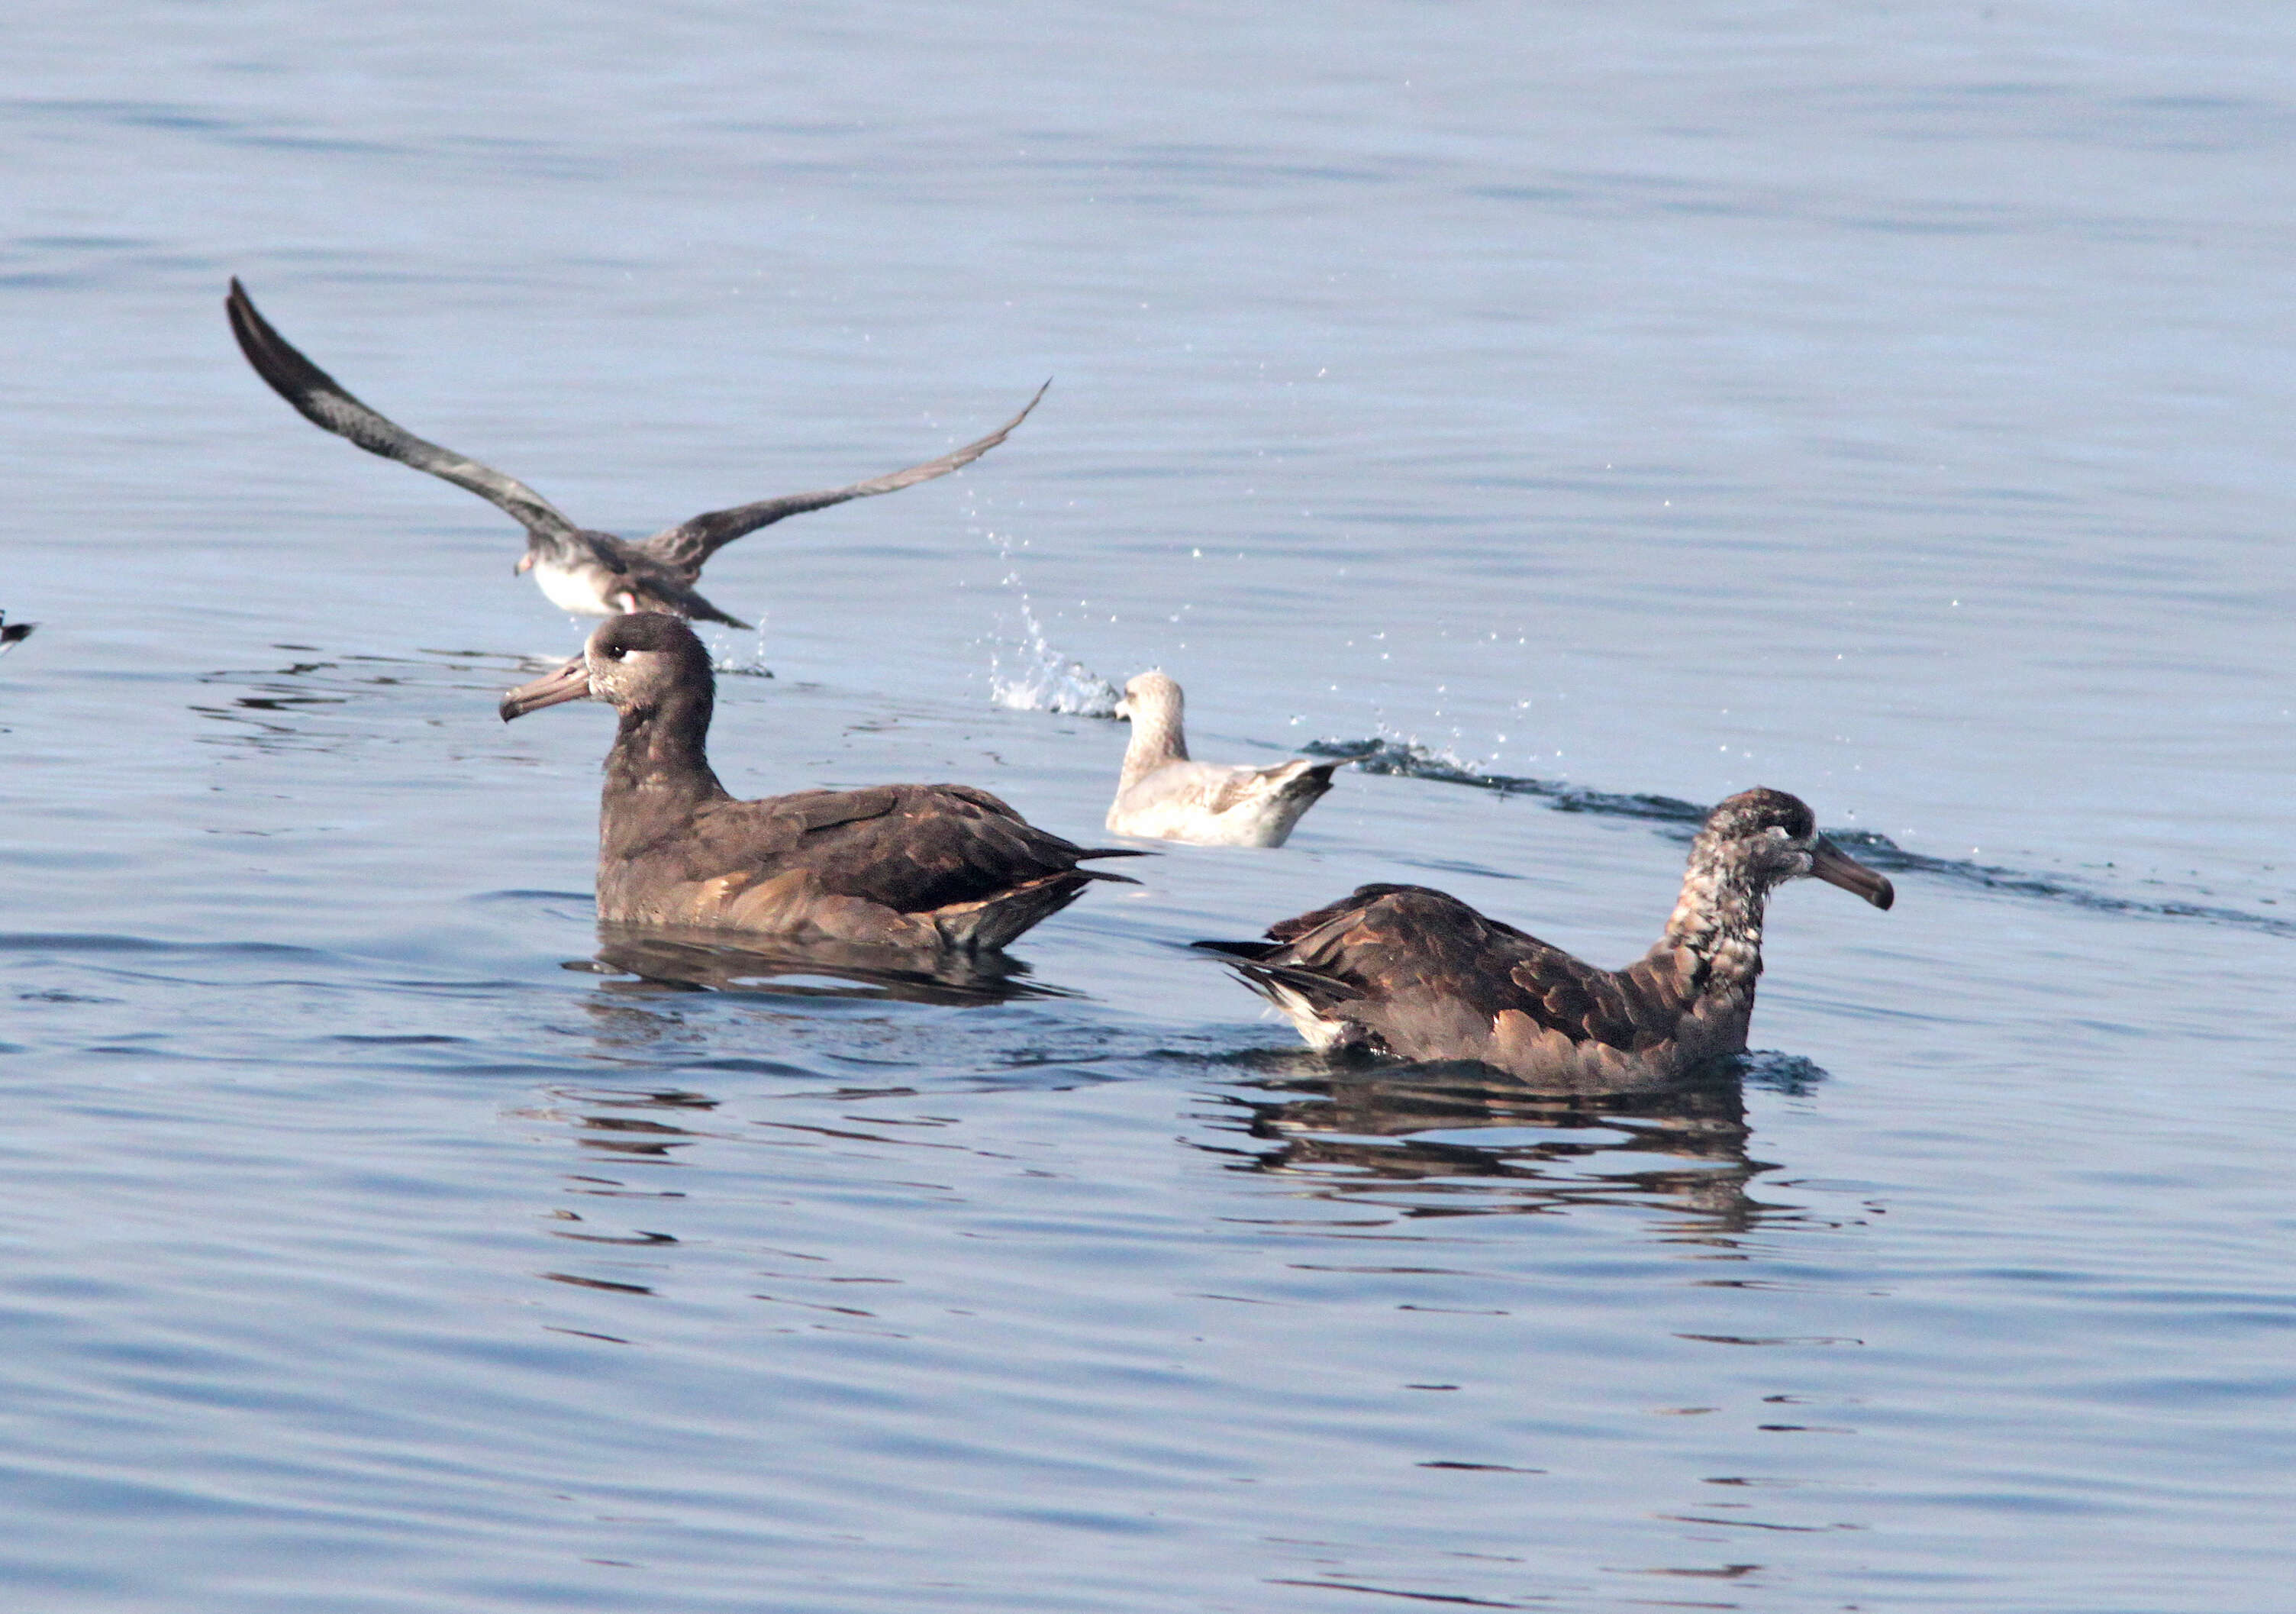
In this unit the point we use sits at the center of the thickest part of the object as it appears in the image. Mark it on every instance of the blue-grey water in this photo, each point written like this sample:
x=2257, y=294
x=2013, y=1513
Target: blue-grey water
x=1578, y=407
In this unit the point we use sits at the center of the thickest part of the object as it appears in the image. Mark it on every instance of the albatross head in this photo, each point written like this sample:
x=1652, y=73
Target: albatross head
x=1766, y=838
x=632, y=664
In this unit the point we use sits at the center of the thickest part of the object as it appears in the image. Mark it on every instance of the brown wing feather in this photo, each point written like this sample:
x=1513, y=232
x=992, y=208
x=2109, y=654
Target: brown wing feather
x=910, y=848
x=812, y=810
x=323, y=401
x=686, y=546
x=652, y=586
x=1401, y=950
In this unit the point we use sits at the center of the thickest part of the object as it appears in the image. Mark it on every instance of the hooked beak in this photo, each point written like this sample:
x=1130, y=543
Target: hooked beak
x=525, y=564
x=1836, y=866
x=571, y=682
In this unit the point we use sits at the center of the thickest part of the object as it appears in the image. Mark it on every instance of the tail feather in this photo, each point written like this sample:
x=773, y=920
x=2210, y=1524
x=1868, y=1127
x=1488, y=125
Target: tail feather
x=1311, y=1000
x=1252, y=961
x=1108, y=852
x=1237, y=950
x=989, y=924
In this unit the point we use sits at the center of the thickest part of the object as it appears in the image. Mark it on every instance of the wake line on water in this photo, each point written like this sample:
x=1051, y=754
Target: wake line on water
x=1410, y=759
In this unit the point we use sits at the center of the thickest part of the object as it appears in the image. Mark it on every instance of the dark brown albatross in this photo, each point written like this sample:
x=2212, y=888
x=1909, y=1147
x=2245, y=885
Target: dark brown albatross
x=933, y=867
x=1406, y=971
x=588, y=572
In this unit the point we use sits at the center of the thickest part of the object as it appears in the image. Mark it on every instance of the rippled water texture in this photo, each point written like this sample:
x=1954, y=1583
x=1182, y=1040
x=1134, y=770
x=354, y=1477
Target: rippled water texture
x=1574, y=414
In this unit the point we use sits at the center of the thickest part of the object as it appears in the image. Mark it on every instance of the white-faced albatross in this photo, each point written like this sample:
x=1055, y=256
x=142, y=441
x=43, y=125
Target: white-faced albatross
x=1406, y=971
x=1163, y=794
x=588, y=572
x=940, y=867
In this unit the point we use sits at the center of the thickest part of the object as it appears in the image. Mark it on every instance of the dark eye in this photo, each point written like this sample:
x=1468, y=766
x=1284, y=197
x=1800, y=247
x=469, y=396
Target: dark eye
x=615, y=652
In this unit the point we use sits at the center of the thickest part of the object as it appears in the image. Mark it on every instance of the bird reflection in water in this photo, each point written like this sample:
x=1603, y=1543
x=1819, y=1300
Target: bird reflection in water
x=1406, y=1140
x=701, y=960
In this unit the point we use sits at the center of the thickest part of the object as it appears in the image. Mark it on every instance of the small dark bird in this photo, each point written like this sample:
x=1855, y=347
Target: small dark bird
x=1414, y=973
x=588, y=572
x=940, y=867
x=13, y=635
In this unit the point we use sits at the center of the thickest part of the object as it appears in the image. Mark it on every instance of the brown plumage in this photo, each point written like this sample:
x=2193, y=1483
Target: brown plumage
x=1417, y=974
x=912, y=866
x=589, y=572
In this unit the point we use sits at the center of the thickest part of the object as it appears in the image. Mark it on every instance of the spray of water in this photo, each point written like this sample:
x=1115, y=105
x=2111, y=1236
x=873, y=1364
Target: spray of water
x=755, y=667
x=1027, y=672
x=1030, y=675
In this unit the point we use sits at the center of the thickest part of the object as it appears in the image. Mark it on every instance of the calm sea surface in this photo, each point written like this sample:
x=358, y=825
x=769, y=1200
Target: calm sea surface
x=1565, y=406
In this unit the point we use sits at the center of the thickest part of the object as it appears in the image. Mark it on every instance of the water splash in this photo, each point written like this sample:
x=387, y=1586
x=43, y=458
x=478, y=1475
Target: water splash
x=1028, y=673
x=755, y=667
x=1033, y=676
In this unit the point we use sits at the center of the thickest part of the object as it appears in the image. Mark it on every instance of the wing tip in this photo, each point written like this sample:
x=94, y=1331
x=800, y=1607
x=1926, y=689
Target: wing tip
x=1228, y=951
x=1108, y=852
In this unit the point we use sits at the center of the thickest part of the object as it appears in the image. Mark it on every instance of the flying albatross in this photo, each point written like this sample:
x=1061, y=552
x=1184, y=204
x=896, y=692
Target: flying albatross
x=943, y=868
x=589, y=572
x=13, y=635
x=1406, y=971
x=1163, y=794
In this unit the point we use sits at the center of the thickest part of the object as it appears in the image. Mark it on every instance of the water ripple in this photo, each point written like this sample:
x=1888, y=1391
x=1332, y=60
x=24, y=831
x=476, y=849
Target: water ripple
x=1410, y=759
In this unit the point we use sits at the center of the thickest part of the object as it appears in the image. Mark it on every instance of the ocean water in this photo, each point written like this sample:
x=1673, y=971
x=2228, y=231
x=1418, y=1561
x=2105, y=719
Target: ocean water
x=1573, y=414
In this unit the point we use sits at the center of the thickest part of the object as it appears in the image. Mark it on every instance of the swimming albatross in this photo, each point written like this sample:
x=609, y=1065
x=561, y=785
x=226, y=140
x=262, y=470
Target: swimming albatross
x=1163, y=796
x=906, y=866
x=591, y=573
x=1404, y=970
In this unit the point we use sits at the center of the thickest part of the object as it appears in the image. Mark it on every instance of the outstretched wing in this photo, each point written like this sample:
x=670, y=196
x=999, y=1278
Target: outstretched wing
x=320, y=400
x=689, y=543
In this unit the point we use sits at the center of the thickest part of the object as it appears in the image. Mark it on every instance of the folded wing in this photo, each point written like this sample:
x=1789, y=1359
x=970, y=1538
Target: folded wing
x=1430, y=976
